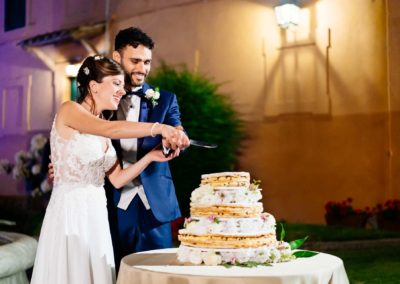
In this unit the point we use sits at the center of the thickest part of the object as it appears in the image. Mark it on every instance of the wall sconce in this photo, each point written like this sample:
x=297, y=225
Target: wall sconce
x=71, y=70
x=287, y=14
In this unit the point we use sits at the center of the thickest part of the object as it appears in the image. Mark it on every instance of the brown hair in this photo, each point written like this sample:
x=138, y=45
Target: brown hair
x=95, y=68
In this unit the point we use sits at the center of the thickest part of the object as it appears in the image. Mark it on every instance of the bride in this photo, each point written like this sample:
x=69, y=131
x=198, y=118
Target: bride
x=75, y=243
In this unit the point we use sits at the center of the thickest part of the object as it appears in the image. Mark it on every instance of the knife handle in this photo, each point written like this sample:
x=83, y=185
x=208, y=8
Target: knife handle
x=166, y=151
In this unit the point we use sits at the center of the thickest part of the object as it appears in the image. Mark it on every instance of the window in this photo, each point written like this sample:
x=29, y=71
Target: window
x=15, y=16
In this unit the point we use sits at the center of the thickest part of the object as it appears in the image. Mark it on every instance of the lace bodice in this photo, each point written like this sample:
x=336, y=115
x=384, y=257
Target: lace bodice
x=80, y=160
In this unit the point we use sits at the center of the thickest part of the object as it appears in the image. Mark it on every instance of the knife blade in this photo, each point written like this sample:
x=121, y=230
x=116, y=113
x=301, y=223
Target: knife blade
x=202, y=144
x=197, y=143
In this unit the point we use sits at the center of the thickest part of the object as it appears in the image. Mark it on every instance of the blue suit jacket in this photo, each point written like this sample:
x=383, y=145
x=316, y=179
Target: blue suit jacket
x=156, y=178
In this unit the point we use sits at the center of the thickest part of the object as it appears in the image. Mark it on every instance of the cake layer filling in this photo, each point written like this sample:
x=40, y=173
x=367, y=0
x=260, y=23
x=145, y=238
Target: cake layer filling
x=215, y=241
x=253, y=226
x=227, y=210
x=226, y=179
x=244, y=175
x=263, y=254
x=208, y=195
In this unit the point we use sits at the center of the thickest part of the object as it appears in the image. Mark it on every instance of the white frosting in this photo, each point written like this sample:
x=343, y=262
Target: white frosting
x=207, y=195
x=223, y=174
x=264, y=224
x=264, y=254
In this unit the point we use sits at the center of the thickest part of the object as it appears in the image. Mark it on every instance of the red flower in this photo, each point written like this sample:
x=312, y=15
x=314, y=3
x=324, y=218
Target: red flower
x=342, y=208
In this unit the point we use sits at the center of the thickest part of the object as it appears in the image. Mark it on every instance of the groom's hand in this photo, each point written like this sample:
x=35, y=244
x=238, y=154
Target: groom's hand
x=176, y=143
x=178, y=140
x=184, y=138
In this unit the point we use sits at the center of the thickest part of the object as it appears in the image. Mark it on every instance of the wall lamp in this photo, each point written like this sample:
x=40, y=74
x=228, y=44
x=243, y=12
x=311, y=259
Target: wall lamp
x=287, y=14
x=71, y=70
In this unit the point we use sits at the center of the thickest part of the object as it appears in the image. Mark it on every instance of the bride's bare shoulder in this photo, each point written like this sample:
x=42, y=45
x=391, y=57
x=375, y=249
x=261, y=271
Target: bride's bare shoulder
x=69, y=107
x=66, y=112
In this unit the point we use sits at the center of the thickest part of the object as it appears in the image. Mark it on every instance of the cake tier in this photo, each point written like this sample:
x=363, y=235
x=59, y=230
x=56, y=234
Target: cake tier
x=227, y=210
x=208, y=195
x=252, y=226
x=264, y=254
x=219, y=241
x=226, y=179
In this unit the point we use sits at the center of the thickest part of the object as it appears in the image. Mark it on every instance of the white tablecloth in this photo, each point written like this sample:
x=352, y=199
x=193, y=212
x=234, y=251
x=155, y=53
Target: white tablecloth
x=162, y=267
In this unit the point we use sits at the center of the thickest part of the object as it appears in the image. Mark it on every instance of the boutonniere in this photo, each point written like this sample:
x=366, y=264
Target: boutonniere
x=153, y=95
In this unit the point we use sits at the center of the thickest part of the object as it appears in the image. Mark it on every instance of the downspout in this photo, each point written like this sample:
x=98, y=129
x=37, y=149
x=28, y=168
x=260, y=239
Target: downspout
x=389, y=193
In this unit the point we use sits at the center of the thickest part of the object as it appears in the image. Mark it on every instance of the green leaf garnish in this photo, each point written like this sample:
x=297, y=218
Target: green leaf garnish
x=246, y=264
x=283, y=233
x=255, y=184
x=297, y=243
x=304, y=253
x=227, y=265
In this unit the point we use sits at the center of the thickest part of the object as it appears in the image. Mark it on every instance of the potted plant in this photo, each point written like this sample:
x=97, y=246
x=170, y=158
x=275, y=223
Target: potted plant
x=343, y=214
x=388, y=215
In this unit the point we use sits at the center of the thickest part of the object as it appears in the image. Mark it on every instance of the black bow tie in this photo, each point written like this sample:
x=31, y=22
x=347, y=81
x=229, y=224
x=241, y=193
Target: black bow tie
x=138, y=93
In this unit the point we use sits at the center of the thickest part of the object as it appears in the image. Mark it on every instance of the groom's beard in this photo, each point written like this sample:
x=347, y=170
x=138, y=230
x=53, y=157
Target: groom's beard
x=130, y=83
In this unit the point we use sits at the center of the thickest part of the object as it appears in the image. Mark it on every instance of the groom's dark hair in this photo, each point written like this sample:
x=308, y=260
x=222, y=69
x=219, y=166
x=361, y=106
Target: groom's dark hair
x=132, y=36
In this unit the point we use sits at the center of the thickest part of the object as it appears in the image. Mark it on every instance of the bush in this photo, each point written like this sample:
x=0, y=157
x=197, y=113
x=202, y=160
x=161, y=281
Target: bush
x=206, y=115
x=343, y=214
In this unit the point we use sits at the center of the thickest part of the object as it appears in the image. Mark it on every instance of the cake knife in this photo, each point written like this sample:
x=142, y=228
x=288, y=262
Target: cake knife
x=197, y=143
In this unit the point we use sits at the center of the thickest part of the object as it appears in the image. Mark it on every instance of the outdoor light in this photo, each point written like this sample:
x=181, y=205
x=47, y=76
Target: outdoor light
x=287, y=14
x=71, y=70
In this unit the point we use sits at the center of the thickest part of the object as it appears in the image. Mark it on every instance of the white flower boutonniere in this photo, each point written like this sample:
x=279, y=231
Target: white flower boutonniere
x=153, y=95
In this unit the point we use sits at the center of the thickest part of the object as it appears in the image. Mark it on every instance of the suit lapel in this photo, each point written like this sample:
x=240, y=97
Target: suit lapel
x=123, y=109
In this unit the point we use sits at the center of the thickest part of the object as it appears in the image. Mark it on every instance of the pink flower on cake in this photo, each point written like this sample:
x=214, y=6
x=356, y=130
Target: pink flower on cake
x=214, y=219
x=233, y=260
x=187, y=221
x=264, y=216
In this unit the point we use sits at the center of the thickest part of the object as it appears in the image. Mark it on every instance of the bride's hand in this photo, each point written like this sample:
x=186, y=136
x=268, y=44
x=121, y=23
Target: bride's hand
x=156, y=155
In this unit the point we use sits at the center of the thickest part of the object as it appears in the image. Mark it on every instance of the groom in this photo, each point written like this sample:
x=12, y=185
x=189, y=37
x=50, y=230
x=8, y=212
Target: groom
x=140, y=213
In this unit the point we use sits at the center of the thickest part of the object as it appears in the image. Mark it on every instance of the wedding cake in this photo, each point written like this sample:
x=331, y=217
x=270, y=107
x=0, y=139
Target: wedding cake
x=227, y=224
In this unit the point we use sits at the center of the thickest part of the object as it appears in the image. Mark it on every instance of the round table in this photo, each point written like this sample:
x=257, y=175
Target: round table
x=162, y=267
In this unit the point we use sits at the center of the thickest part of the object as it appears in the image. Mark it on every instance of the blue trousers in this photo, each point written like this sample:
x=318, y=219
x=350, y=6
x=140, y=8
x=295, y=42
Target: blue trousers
x=136, y=229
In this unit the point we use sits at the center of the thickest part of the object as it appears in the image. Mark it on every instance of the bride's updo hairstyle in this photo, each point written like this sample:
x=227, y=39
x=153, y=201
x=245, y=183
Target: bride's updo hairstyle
x=95, y=68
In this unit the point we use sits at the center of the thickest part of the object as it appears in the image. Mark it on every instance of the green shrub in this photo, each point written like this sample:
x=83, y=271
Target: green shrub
x=206, y=115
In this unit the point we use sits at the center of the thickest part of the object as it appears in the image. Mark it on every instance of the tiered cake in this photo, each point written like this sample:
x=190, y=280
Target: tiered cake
x=227, y=224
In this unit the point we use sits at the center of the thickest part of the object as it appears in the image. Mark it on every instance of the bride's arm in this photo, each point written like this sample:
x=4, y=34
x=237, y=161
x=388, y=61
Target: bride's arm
x=119, y=177
x=73, y=115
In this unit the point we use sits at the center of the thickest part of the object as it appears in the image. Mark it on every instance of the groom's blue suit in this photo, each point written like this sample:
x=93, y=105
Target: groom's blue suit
x=137, y=229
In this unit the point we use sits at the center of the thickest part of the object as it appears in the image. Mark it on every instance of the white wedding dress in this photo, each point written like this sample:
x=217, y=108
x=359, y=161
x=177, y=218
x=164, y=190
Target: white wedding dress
x=75, y=243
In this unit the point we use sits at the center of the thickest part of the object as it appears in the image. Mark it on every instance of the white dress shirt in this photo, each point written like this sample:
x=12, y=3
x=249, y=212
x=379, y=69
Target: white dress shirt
x=129, y=156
